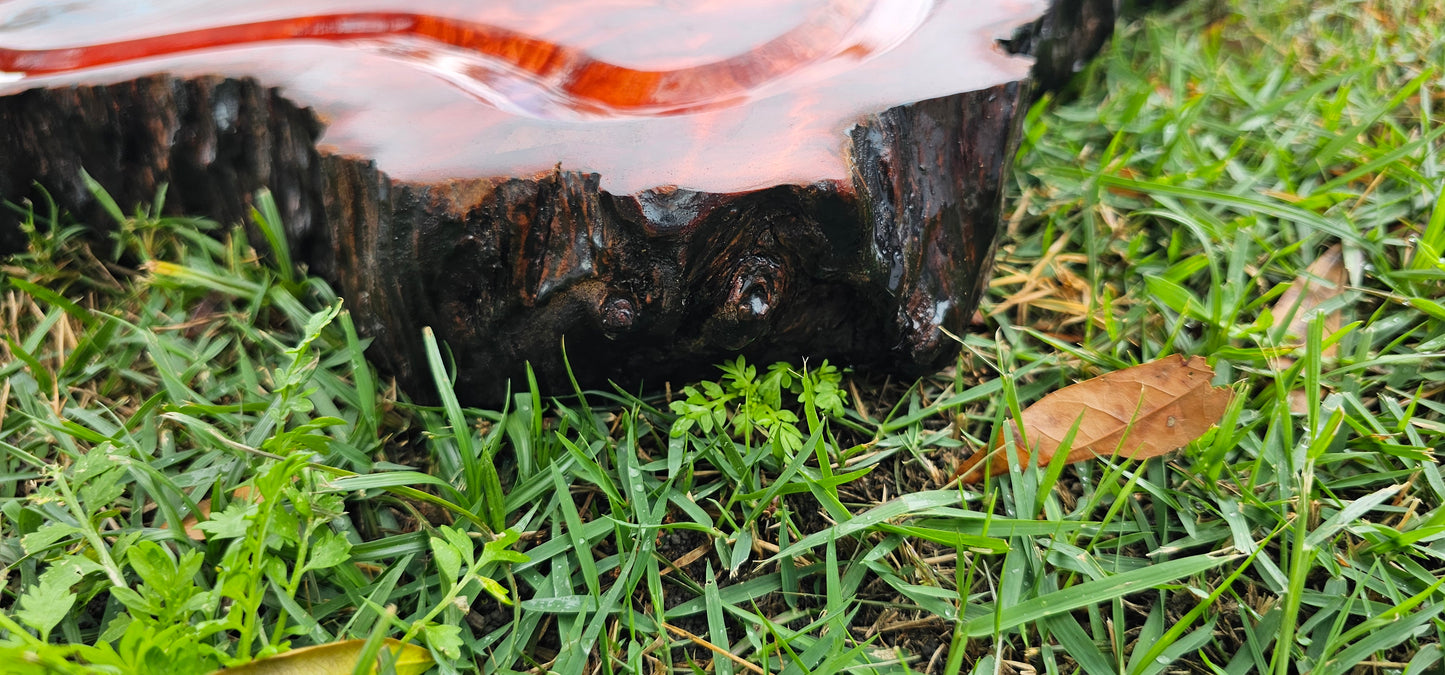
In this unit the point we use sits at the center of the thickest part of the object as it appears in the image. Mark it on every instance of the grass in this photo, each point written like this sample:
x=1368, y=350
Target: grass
x=798, y=518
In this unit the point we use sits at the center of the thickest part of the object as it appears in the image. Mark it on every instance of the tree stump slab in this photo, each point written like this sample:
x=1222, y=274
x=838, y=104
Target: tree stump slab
x=826, y=188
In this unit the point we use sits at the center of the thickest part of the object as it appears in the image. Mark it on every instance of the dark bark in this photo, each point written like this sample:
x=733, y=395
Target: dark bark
x=665, y=283
x=212, y=142
x=1065, y=38
x=872, y=270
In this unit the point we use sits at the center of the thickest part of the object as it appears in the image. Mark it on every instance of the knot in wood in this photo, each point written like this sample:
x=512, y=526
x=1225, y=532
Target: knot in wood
x=617, y=313
x=755, y=288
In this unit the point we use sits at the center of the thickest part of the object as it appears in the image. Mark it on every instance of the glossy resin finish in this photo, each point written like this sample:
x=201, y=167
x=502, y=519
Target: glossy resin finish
x=712, y=95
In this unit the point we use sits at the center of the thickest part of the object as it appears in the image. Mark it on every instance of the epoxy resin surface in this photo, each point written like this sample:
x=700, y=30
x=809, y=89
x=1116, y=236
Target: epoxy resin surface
x=713, y=95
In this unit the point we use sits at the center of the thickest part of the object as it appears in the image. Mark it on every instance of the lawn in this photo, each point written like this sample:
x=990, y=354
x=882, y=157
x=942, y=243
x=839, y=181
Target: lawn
x=201, y=469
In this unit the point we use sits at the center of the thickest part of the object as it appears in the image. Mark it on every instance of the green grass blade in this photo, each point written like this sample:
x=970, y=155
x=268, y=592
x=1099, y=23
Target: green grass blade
x=1093, y=592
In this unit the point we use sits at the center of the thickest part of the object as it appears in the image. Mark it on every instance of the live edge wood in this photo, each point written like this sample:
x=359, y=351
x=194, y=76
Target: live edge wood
x=872, y=271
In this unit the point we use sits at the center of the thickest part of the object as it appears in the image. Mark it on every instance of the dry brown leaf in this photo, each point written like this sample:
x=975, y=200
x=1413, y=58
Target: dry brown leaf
x=1135, y=413
x=336, y=658
x=203, y=512
x=1324, y=279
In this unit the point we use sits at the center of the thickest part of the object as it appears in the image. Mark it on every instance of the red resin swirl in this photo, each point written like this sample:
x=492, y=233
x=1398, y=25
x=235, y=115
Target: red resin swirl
x=582, y=83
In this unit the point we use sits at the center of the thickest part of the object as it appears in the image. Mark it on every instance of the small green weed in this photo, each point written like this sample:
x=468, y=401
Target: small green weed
x=753, y=409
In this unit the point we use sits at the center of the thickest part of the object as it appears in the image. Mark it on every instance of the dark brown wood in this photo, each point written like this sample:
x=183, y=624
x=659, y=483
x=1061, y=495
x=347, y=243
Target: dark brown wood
x=1064, y=39
x=872, y=270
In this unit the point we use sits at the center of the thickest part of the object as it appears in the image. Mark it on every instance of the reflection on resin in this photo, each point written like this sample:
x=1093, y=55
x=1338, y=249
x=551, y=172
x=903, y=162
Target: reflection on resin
x=527, y=74
x=708, y=95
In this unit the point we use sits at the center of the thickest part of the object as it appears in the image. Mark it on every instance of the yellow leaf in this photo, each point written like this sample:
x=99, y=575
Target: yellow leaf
x=336, y=658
